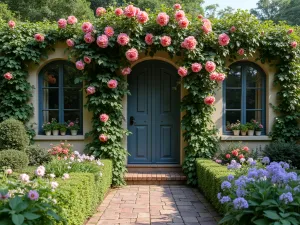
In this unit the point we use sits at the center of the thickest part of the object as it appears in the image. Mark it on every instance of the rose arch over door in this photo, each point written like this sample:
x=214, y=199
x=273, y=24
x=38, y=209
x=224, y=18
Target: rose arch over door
x=154, y=114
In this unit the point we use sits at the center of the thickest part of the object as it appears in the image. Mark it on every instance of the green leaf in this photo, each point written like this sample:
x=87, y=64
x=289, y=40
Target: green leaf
x=226, y=219
x=271, y=214
x=285, y=222
x=21, y=207
x=13, y=203
x=18, y=219
x=262, y=222
x=31, y=216
x=53, y=214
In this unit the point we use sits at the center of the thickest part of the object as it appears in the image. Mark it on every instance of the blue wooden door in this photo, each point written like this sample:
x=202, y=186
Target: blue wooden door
x=154, y=114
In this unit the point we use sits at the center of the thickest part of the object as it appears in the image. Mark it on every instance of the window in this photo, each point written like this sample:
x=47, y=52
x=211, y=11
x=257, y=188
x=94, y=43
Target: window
x=59, y=96
x=244, y=94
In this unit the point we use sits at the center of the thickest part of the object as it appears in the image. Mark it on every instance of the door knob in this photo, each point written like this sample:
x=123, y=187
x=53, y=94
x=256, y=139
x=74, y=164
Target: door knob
x=132, y=121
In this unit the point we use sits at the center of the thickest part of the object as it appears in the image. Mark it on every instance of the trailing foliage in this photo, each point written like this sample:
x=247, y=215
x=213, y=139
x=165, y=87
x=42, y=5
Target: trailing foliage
x=13, y=159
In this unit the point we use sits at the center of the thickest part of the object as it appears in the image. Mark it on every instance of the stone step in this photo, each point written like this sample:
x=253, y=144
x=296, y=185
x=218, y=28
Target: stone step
x=132, y=168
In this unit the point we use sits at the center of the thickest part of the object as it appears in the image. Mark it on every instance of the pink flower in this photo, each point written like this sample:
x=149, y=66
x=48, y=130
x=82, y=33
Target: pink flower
x=112, y=84
x=11, y=24
x=8, y=171
x=33, y=195
x=183, y=23
x=100, y=11
x=126, y=71
x=65, y=176
x=213, y=76
x=123, y=39
x=209, y=100
x=179, y=15
x=142, y=17
x=39, y=37
x=119, y=11
x=103, y=138
x=102, y=41
x=182, y=71
x=241, y=51
x=104, y=118
x=290, y=31
x=130, y=11
x=4, y=196
x=200, y=16
x=220, y=77
x=39, y=172
x=80, y=65
x=196, y=67
x=190, y=43
x=70, y=42
x=224, y=39
x=177, y=6
x=53, y=184
x=165, y=41
x=8, y=76
x=149, y=39
x=87, y=27
x=138, y=10
x=233, y=29
x=260, y=126
x=206, y=27
x=245, y=148
x=90, y=90
x=162, y=19
x=24, y=177
x=210, y=66
x=71, y=20
x=109, y=31
x=132, y=54
x=62, y=23
x=87, y=59
x=89, y=38
x=294, y=44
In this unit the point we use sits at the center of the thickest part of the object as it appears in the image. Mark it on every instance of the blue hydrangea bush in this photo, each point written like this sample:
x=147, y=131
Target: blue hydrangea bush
x=268, y=195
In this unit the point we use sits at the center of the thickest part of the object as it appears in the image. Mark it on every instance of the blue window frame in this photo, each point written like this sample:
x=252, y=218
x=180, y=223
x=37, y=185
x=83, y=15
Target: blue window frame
x=59, y=96
x=244, y=92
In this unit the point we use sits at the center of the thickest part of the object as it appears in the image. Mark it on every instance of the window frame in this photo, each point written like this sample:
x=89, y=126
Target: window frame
x=244, y=89
x=61, y=88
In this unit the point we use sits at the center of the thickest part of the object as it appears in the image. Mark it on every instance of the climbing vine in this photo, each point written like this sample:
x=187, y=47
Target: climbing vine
x=105, y=48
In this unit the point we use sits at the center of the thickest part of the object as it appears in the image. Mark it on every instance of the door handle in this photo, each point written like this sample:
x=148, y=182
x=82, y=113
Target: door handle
x=132, y=121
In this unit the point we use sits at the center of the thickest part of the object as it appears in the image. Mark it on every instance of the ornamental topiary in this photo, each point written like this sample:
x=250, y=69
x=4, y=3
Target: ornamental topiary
x=13, y=159
x=13, y=135
x=37, y=155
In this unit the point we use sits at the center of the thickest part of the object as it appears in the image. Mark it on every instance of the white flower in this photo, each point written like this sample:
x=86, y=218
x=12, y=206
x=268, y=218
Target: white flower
x=69, y=167
x=54, y=185
x=24, y=177
x=41, y=168
x=65, y=176
x=250, y=160
x=100, y=174
x=40, y=172
x=52, y=175
x=233, y=161
x=99, y=163
x=8, y=171
x=65, y=158
x=242, y=160
x=72, y=158
x=76, y=153
x=54, y=201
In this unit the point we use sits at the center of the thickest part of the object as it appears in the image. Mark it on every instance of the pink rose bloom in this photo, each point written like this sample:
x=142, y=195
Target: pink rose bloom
x=241, y=51
x=87, y=27
x=102, y=41
x=87, y=59
x=290, y=31
x=123, y=39
x=100, y=11
x=109, y=31
x=62, y=23
x=220, y=77
x=213, y=76
x=70, y=42
x=183, y=23
x=233, y=29
x=11, y=24
x=89, y=38
x=104, y=117
x=182, y=45
x=149, y=39
x=8, y=76
x=162, y=19
x=80, y=65
x=206, y=27
x=294, y=44
x=65, y=176
x=90, y=90
x=132, y=54
x=138, y=10
x=126, y=71
x=224, y=39
x=209, y=100
x=179, y=15
x=200, y=16
x=210, y=66
x=182, y=71
x=33, y=195
x=39, y=37
x=39, y=172
x=130, y=11
x=196, y=67
x=119, y=11
x=245, y=148
x=8, y=171
x=260, y=126
x=190, y=43
x=24, y=177
x=142, y=17
x=165, y=41
x=103, y=138
x=112, y=84
x=177, y=6
x=71, y=20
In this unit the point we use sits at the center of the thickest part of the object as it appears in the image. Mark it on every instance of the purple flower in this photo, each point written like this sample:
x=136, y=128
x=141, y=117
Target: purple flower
x=253, y=163
x=33, y=195
x=219, y=195
x=240, y=203
x=265, y=160
x=225, y=199
x=4, y=196
x=286, y=197
x=284, y=165
x=230, y=177
x=225, y=185
x=297, y=189
x=240, y=192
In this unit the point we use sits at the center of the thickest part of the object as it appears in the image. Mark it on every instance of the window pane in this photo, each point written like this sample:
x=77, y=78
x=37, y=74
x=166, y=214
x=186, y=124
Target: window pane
x=234, y=76
x=233, y=99
x=253, y=99
x=256, y=115
x=50, y=98
x=50, y=76
x=233, y=116
x=48, y=115
x=72, y=115
x=70, y=73
x=72, y=98
x=254, y=77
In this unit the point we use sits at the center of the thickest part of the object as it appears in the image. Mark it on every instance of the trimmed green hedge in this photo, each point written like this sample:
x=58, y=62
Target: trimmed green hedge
x=81, y=194
x=210, y=176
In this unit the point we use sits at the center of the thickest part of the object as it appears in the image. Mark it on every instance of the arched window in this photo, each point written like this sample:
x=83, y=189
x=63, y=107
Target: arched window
x=244, y=94
x=59, y=96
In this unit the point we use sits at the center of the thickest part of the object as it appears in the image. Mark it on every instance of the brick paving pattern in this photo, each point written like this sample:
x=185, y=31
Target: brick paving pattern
x=153, y=204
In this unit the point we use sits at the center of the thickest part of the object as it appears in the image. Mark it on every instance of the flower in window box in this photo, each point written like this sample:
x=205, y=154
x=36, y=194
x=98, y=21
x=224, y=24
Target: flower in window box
x=47, y=126
x=73, y=125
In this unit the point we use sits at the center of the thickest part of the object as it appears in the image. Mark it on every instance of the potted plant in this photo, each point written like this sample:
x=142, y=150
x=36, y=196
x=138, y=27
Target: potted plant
x=55, y=126
x=258, y=128
x=235, y=127
x=47, y=128
x=63, y=129
x=73, y=127
x=244, y=129
x=250, y=129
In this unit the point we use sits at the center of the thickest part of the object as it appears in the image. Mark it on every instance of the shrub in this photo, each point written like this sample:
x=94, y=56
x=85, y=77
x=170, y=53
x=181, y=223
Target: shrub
x=13, y=135
x=14, y=159
x=37, y=155
x=280, y=151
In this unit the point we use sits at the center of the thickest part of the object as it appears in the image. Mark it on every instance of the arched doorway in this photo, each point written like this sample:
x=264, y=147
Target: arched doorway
x=153, y=114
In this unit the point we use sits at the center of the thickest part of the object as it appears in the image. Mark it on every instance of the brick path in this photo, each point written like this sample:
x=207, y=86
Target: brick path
x=152, y=204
